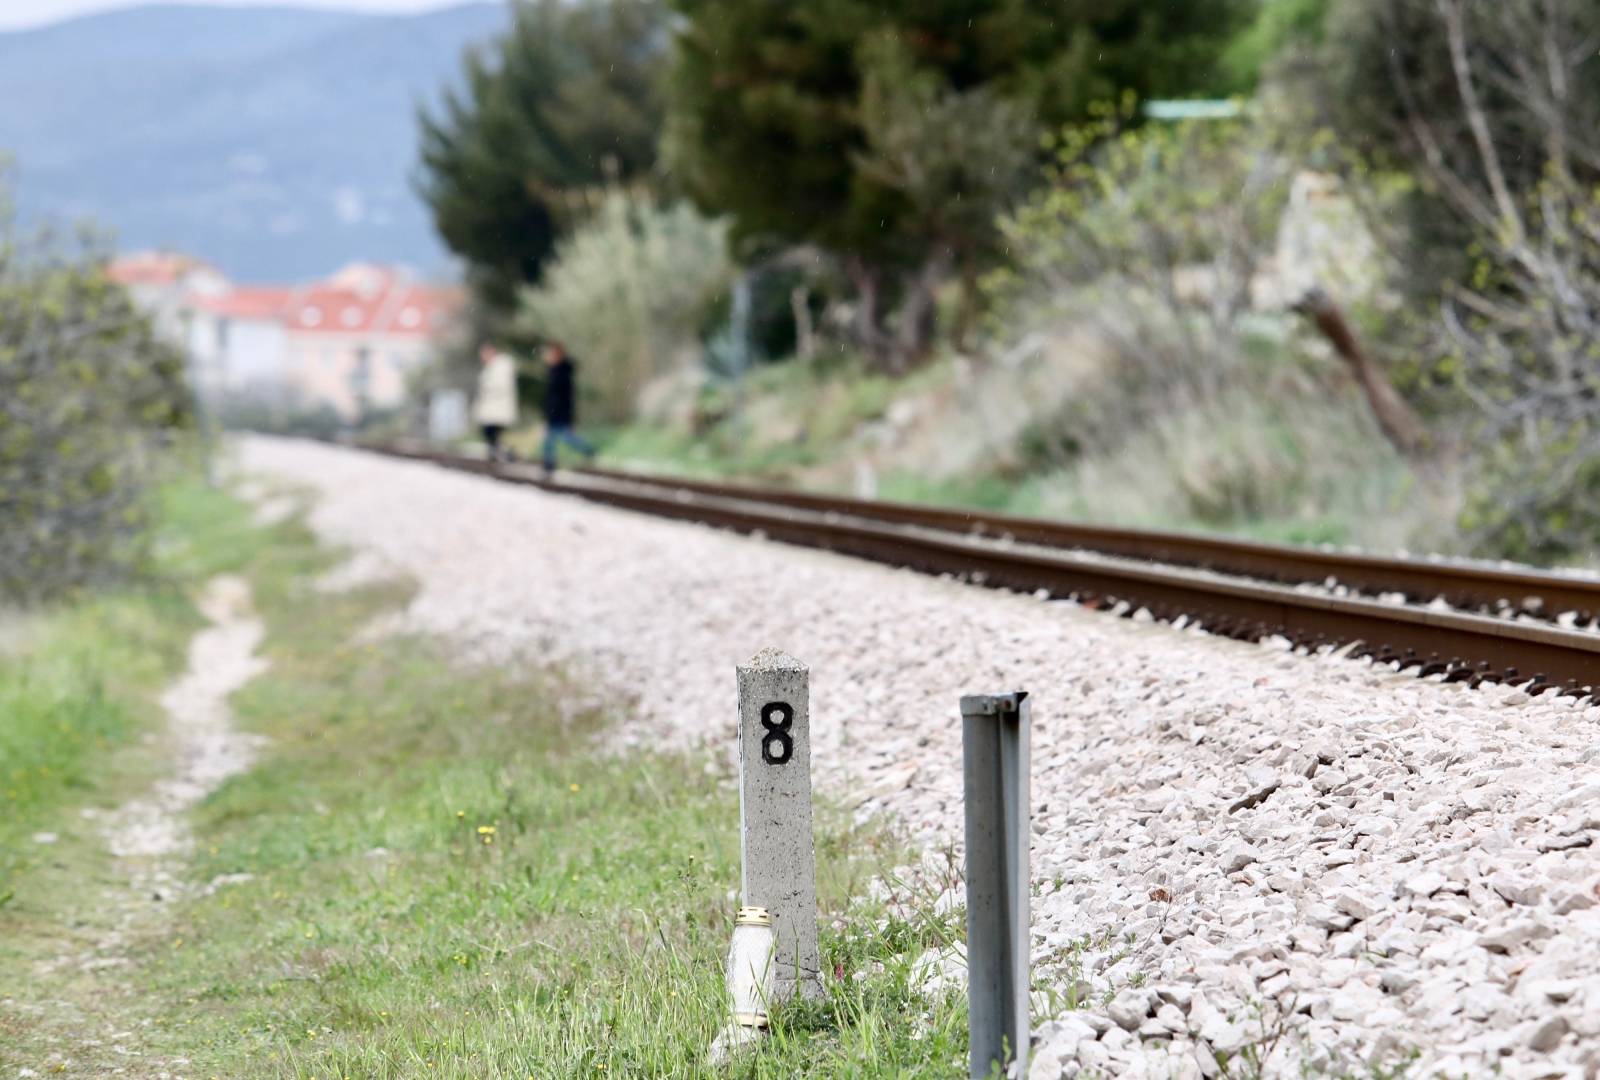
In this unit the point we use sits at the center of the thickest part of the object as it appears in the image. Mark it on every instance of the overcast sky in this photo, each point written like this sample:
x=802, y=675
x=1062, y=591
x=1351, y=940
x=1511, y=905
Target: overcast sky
x=17, y=14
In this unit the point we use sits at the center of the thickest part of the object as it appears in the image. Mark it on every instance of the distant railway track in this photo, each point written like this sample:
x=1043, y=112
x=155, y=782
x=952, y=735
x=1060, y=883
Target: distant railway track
x=1495, y=624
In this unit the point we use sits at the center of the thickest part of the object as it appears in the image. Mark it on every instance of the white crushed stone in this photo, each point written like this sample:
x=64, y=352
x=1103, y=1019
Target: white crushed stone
x=1234, y=846
x=222, y=658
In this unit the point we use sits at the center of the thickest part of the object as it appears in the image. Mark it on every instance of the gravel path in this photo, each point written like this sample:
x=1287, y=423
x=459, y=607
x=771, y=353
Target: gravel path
x=1236, y=851
x=102, y=1024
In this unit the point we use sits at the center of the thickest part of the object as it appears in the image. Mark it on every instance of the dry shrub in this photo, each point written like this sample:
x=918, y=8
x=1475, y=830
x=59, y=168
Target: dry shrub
x=1495, y=109
x=1152, y=238
x=1192, y=395
x=1240, y=460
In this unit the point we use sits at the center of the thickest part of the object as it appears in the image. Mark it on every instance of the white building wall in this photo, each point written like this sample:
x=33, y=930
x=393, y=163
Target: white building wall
x=256, y=354
x=325, y=369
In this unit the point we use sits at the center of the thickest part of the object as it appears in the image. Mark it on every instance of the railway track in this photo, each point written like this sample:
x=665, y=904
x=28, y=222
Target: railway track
x=1494, y=625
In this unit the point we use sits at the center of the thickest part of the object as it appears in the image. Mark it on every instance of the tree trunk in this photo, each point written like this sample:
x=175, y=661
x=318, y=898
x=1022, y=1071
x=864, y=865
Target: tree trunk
x=1399, y=422
x=967, y=314
x=865, y=278
x=805, y=331
x=914, y=322
x=918, y=316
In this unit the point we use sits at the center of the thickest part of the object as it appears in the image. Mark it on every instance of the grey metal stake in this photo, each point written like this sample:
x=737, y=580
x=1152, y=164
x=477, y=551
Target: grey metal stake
x=994, y=744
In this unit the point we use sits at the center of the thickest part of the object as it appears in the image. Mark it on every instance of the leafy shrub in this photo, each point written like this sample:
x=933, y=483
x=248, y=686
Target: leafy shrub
x=1154, y=237
x=86, y=389
x=1519, y=335
x=1480, y=101
x=627, y=293
x=1537, y=506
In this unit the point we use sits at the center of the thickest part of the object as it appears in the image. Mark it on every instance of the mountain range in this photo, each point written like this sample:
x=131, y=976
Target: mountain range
x=276, y=142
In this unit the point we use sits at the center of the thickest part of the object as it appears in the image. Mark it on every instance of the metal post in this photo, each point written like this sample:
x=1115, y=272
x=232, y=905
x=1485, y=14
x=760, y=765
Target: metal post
x=994, y=743
x=203, y=419
x=779, y=855
x=739, y=342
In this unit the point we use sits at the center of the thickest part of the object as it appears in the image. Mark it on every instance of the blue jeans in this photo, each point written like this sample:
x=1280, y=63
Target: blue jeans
x=563, y=433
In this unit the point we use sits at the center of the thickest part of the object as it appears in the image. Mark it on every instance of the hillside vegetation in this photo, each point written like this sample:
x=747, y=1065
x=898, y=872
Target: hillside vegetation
x=980, y=254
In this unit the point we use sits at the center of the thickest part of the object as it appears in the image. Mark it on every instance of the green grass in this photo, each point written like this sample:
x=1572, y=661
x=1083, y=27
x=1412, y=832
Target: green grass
x=979, y=493
x=63, y=696
x=455, y=876
x=436, y=870
x=661, y=449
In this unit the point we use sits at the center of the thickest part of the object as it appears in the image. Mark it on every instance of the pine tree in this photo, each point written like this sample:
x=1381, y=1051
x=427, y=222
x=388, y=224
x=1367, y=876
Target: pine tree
x=569, y=98
x=800, y=119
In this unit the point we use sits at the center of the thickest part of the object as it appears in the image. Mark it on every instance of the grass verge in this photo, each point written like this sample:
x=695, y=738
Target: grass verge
x=436, y=870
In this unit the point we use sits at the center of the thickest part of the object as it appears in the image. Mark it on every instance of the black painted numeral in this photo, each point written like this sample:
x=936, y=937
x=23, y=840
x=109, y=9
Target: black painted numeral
x=777, y=745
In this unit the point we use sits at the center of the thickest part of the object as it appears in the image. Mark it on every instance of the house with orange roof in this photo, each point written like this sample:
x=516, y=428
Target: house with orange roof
x=238, y=340
x=348, y=342
x=353, y=339
x=164, y=284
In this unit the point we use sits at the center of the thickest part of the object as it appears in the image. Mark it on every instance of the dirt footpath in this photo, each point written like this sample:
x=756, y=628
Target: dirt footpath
x=81, y=996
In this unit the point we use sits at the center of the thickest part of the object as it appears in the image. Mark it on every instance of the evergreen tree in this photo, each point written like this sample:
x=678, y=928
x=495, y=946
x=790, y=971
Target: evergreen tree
x=567, y=99
x=797, y=118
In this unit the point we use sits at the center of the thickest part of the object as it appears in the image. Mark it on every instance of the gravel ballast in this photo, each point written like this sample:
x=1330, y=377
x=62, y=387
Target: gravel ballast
x=1237, y=851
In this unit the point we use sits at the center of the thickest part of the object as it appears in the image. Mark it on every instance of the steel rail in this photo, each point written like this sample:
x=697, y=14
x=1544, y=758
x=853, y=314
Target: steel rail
x=1463, y=585
x=1460, y=646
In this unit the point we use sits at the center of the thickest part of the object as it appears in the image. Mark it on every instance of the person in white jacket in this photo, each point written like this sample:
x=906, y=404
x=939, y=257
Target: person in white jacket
x=495, y=408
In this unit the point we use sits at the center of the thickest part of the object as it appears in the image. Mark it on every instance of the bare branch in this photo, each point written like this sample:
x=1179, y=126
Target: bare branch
x=1456, y=35
x=1421, y=130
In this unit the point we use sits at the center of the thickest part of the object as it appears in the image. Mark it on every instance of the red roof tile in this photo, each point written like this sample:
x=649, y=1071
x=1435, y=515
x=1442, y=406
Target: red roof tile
x=256, y=302
x=397, y=308
x=362, y=298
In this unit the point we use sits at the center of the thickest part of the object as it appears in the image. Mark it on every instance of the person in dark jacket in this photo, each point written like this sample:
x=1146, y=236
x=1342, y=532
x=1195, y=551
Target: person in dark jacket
x=560, y=410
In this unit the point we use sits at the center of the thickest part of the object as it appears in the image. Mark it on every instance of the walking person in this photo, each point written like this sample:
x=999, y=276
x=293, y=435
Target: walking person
x=495, y=408
x=560, y=410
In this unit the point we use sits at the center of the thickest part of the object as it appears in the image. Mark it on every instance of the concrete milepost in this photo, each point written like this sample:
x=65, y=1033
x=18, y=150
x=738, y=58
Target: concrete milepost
x=779, y=855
